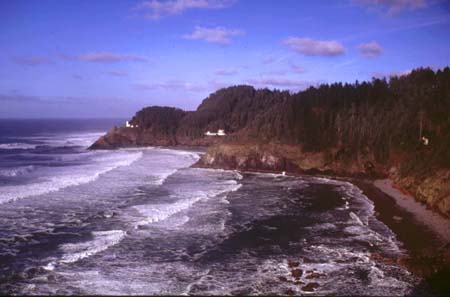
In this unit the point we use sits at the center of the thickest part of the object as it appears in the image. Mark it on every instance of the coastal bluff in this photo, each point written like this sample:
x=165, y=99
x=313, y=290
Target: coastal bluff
x=397, y=128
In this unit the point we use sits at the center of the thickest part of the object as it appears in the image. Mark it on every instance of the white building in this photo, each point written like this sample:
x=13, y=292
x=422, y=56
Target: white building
x=219, y=132
x=128, y=125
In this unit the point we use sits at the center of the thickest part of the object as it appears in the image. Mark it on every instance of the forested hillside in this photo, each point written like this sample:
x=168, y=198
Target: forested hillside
x=397, y=127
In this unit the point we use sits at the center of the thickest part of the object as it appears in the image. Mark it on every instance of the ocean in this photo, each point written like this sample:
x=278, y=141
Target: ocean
x=142, y=221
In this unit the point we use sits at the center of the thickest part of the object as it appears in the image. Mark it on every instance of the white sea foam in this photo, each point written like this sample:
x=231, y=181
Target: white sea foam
x=163, y=176
x=17, y=146
x=356, y=218
x=193, y=155
x=74, y=177
x=101, y=241
x=16, y=171
x=73, y=252
x=157, y=212
x=58, y=140
x=185, y=199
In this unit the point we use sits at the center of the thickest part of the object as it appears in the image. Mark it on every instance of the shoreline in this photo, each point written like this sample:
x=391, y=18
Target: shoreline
x=432, y=219
x=422, y=233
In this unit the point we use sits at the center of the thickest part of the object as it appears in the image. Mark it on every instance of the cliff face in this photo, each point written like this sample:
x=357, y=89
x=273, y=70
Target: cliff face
x=433, y=190
x=289, y=158
x=398, y=128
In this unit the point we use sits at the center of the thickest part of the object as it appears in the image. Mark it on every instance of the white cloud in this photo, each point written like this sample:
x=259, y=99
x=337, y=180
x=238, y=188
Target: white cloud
x=311, y=47
x=155, y=9
x=394, y=6
x=219, y=35
x=370, y=49
x=106, y=57
x=223, y=71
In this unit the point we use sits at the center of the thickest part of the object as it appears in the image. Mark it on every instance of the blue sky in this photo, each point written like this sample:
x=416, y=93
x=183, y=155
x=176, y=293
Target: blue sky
x=111, y=58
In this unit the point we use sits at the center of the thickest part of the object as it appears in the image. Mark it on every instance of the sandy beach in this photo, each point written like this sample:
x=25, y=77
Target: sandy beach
x=424, y=234
x=436, y=222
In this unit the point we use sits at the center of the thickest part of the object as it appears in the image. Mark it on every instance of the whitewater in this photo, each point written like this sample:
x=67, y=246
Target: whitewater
x=144, y=221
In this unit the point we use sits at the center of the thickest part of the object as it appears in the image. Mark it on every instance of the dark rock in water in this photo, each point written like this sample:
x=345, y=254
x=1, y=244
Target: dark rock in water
x=51, y=278
x=314, y=275
x=297, y=273
x=19, y=276
x=362, y=274
x=290, y=292
x=282, y=278
x=33, y=271
x=293, y=264
x=107, y=214
x=310, y=287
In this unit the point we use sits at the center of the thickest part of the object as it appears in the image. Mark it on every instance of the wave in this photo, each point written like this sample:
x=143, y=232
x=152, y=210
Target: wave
x=158, y=212
x=17, y=146
x=102, y=240
x=161, y=178
x=56, y=183
x=73, y=252
x=16, y=171
x=362, y=223
x=54, y=140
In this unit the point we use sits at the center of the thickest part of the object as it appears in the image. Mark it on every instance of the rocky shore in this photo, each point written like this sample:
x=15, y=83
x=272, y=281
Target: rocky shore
x=423, y=232
x=371, y=131
x=433, y=191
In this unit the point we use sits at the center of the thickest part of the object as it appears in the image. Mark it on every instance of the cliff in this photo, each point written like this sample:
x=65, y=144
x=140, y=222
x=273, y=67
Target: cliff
x=397, y=128
x=432, y=189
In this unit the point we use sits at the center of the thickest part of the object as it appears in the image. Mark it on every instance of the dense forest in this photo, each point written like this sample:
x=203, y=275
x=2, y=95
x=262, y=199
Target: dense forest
x=406, y=117
x=390, y=118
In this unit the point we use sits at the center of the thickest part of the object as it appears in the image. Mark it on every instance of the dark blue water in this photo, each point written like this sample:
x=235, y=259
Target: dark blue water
x=142, y=221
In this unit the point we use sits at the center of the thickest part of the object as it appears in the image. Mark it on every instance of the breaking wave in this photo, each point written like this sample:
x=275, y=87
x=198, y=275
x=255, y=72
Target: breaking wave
x=66, y=179
x=16, y=171
x=17, y=146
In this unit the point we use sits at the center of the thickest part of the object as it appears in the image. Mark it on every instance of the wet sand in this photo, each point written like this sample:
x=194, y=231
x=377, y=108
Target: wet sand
x=436, y=222
x=422, y=232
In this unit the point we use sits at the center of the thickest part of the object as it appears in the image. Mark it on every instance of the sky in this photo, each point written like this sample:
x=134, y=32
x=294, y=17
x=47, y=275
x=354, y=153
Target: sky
x=104, y=59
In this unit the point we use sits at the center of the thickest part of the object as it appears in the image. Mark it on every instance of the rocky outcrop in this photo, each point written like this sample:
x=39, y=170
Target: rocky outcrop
x=115, y=138
x=289, y=158
x=152, y=126
x=433, y=190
